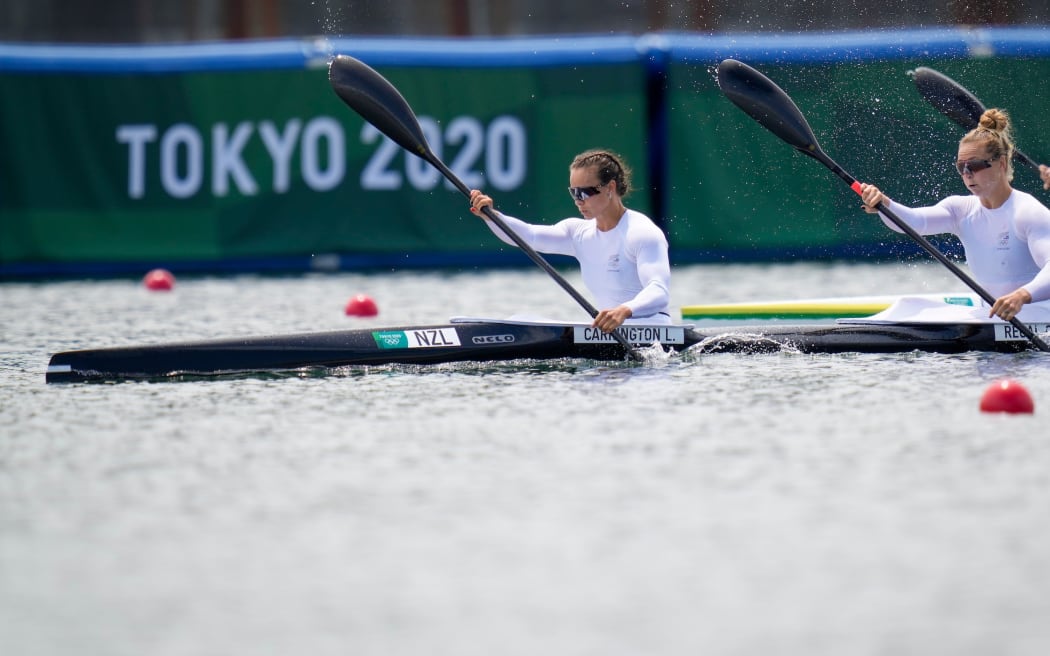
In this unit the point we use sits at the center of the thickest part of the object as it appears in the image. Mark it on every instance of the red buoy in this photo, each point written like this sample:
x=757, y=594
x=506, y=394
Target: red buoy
x=361, y=306
x=159, y=280
x=1007, y=396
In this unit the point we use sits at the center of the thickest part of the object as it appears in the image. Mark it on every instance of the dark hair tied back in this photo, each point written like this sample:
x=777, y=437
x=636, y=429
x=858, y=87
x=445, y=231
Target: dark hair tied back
x=608, y=165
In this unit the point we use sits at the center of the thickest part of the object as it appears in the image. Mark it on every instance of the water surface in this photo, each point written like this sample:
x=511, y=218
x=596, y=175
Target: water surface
x=715, y=504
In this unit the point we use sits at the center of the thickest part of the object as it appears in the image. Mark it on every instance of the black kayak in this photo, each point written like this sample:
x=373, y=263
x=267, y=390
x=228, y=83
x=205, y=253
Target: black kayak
x=485, y=340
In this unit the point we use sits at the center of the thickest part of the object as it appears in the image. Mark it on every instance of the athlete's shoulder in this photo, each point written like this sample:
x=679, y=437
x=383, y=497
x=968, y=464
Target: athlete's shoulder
x=642, y=232
x=574, y=222
x=637, y=220
x=967, y=201
x=1025, y=198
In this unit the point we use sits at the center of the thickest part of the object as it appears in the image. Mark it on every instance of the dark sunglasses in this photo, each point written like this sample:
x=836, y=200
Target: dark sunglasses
x=974, y=165
x=583, y=193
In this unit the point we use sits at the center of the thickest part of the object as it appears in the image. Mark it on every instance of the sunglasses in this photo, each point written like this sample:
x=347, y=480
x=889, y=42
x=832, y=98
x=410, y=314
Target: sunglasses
x=583, y=193
x=974, y=165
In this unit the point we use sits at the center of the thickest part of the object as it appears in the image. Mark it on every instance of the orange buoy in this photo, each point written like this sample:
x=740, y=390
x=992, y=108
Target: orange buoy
x=1007, y=396
x=159, y=280
x=361, y=305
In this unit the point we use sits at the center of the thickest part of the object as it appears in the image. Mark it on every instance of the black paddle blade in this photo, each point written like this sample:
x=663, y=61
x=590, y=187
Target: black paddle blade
x=948, y=96
x=956, y=102
x=764, y=101
x=377, y=101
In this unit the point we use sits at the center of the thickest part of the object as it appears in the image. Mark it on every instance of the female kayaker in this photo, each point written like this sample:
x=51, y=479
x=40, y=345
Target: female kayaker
x=1005, y=232
x=622, y=253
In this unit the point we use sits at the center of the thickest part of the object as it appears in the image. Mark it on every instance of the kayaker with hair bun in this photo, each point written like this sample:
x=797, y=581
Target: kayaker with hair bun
x=622, y=253
x=1004, y=232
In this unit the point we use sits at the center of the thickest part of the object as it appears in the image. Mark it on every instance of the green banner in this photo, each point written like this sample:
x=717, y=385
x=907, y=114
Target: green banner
x=239, y=155
x=220, y=165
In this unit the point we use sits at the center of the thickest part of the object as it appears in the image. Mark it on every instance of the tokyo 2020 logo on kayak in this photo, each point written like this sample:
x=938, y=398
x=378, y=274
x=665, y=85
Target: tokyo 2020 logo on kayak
x=390, y=339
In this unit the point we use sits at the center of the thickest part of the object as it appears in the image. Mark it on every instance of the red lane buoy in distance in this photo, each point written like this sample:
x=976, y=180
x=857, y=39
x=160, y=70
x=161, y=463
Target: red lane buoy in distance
x=1007, y=396
x=159, y=280
x=361, y=305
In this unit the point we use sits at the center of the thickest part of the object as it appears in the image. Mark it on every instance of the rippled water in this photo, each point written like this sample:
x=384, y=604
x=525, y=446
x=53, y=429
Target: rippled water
x=714, y=504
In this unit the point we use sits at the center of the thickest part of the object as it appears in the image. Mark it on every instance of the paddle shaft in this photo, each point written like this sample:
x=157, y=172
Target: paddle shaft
x=930, y=248
x=518, y=240
x=493, y=216
x=534, y=256
x=1024, y=159
x=907, y=229
x=372, y=96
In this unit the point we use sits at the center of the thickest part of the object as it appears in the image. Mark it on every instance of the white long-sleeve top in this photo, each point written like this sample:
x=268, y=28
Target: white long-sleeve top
x=1006, y=248
x=627, y=265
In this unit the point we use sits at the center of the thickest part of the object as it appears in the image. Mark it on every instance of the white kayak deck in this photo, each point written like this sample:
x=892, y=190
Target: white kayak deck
x=919, y=309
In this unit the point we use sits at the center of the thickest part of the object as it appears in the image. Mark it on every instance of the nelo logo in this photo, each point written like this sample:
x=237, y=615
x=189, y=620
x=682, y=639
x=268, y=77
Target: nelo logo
x=492, y=339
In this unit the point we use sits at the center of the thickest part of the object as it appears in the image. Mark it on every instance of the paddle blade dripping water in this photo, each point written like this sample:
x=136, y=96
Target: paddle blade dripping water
x=767, y=103
x=948, y=96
